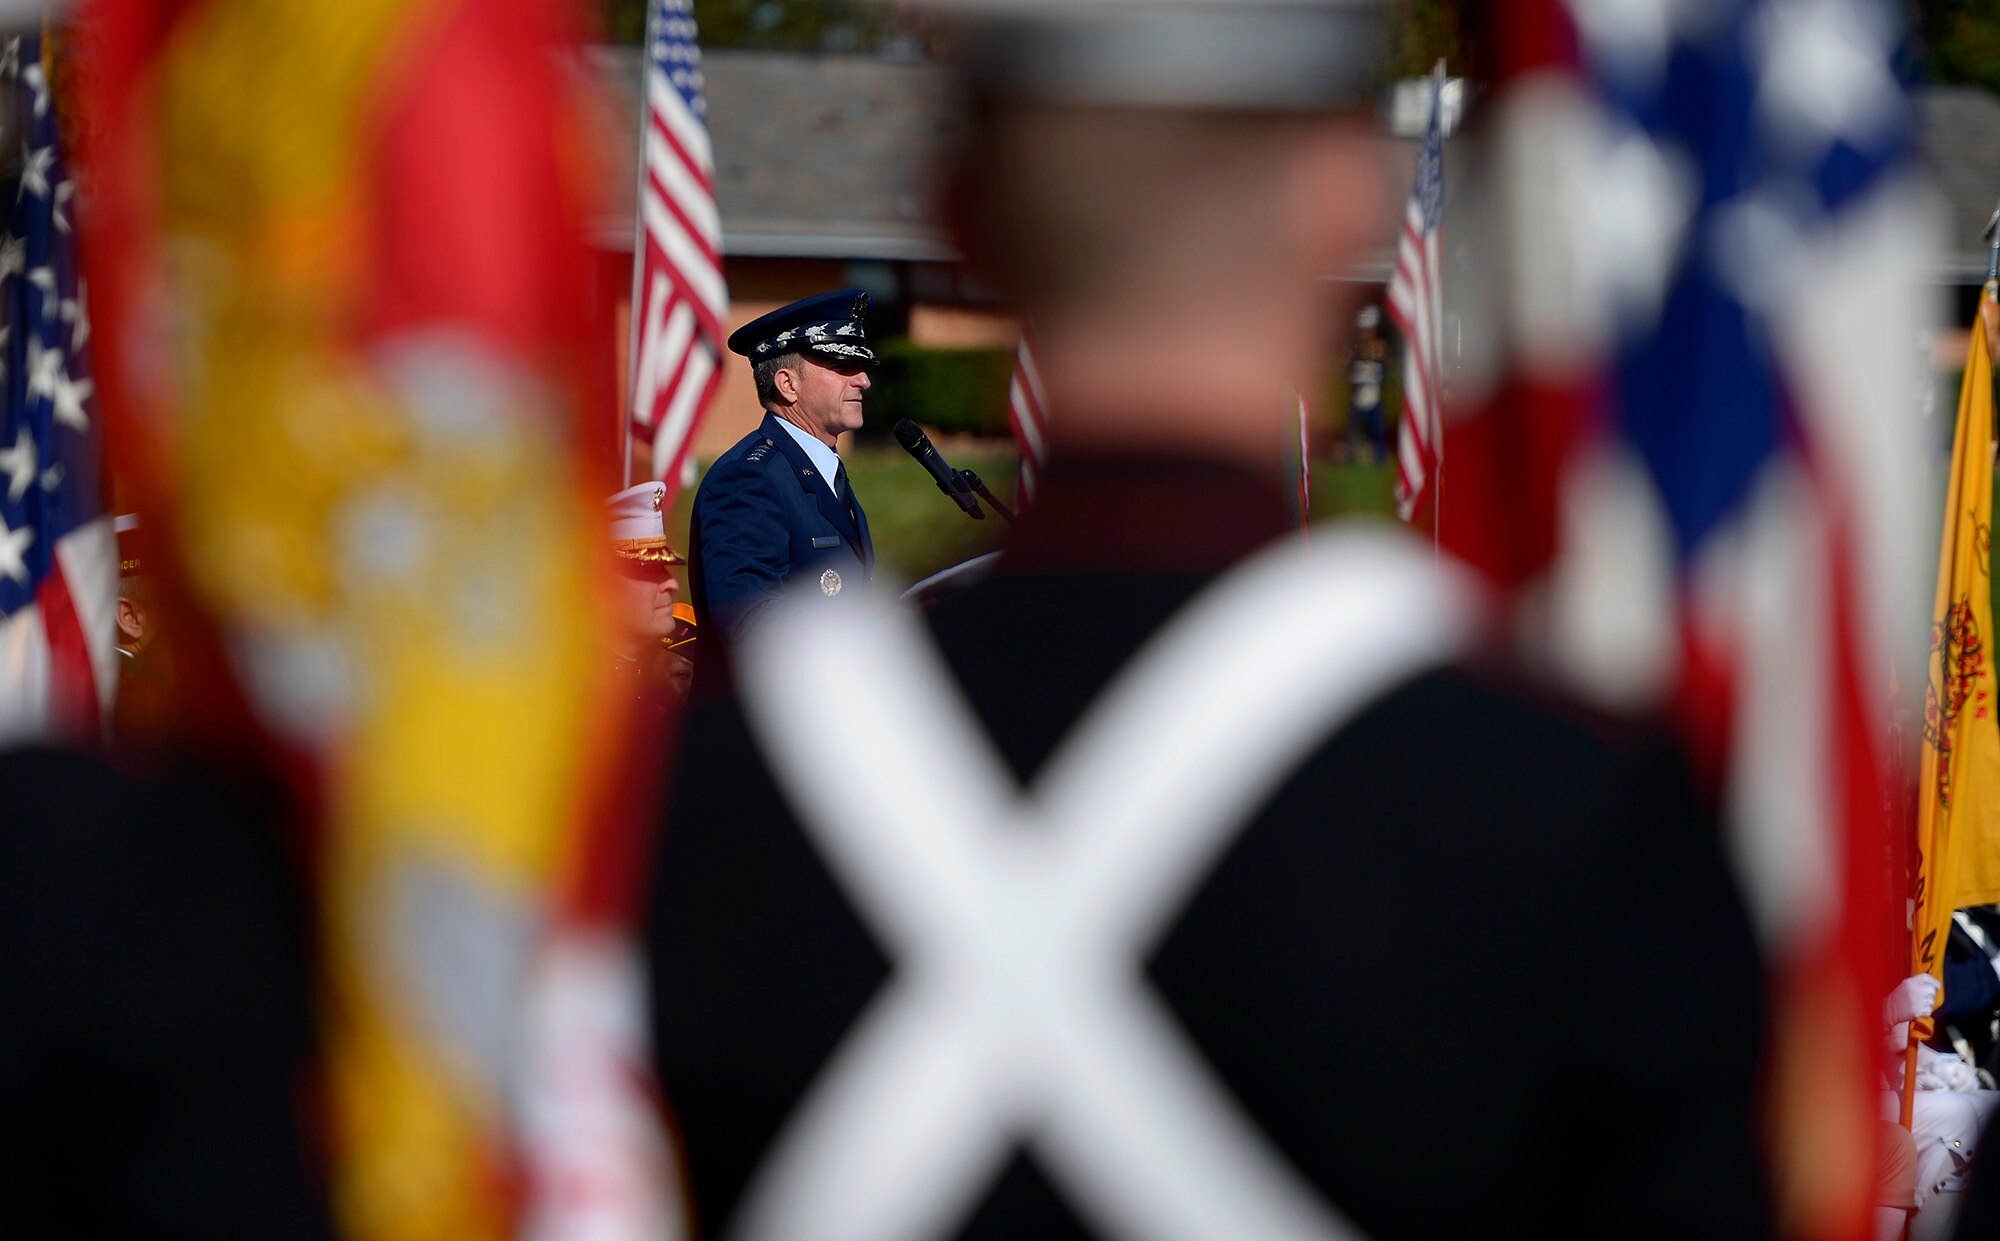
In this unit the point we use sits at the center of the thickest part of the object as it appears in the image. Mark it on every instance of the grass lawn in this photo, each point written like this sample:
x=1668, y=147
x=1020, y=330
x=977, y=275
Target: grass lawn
x=1353, y=489
x=917, y=531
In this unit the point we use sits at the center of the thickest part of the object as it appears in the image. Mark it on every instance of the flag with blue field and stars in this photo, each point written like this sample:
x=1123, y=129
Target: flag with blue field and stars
x=1689, y=248
x=58, y=554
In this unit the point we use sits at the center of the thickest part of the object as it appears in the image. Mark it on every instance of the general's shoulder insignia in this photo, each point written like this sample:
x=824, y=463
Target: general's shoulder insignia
x=829, y=582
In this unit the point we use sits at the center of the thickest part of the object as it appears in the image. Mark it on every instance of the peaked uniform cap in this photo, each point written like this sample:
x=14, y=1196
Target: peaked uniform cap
x=131, y=550
x=639, y=524
x=829, y=325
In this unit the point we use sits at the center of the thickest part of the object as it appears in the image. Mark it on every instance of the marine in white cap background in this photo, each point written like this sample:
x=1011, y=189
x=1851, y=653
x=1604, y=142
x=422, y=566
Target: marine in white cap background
x=145, y=680
x=135, y=615
x=643, y=585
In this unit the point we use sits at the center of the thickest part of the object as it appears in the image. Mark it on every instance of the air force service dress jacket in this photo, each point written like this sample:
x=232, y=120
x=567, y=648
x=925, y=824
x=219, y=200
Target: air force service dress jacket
x=765, y=521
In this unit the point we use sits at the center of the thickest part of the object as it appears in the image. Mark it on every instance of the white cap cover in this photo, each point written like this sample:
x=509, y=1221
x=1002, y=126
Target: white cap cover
x=639, y=524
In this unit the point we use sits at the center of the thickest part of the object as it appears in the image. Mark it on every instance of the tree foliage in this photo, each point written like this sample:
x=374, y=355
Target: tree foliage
x=1423, y=32
x=1952, y=40
x=1958, y=41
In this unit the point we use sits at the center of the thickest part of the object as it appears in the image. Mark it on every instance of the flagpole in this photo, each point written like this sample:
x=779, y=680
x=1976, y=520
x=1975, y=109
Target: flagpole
x=1305, y=470
x=1910, y=1080
x=1437, y=330
x=634, y=314
x=1437, y=496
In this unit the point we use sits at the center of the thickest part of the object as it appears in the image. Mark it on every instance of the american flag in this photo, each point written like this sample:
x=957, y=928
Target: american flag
x=1027, y=410
x=1683, y=437
x=679, y=299
x=1415, y=305
x=58, y=553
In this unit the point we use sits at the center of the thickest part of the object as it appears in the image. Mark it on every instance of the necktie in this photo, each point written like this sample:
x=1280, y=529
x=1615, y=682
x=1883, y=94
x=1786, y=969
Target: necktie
x=845, y=494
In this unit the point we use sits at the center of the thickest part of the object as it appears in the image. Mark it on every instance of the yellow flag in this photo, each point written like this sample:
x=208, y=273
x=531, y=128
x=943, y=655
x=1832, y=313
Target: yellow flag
x=1958, y=817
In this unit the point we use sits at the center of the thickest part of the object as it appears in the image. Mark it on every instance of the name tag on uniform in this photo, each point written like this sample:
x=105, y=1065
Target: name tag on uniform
x=822, y=541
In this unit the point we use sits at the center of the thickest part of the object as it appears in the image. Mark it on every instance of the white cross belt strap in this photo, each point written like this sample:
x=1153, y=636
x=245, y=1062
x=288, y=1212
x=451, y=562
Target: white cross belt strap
x=1017, y=1012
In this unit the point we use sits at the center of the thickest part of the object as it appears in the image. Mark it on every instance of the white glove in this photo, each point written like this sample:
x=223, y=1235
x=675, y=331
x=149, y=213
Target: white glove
x=1940, y=1070
x=1896, y=1042
x=1956, y=1074
x=1913, y=997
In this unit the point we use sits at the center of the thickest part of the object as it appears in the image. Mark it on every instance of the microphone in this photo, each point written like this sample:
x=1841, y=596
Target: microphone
x=918, y=445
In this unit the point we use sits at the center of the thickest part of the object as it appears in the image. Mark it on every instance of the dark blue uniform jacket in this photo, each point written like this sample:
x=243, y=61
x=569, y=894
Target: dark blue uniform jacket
x=765, y=520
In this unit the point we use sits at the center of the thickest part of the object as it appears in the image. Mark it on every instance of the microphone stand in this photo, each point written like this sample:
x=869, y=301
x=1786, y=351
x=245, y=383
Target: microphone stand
x=967, y=478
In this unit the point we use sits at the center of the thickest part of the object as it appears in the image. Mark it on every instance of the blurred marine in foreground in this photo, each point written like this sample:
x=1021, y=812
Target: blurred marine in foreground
x=645, y=615
x=1121, y=933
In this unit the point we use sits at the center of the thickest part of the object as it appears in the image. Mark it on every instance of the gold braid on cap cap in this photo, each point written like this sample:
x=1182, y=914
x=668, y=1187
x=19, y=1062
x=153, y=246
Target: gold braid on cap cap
x=647, y=551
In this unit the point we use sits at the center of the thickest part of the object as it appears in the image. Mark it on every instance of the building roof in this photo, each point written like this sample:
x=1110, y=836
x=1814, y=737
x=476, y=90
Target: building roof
x=817, y=155
x=1959, y=140
x=823, y=155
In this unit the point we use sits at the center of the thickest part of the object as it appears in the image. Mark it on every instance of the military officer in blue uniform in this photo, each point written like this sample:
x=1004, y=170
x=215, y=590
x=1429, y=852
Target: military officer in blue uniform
x=776, y=511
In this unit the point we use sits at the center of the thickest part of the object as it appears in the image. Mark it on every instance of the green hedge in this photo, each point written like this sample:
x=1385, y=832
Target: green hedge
x=953, y=390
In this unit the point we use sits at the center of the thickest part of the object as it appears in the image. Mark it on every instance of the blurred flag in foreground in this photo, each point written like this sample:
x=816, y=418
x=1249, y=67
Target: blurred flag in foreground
x=58, y=555
x=1958, y=798
x=1681, y=436
x=678, y=295
x=343, y=312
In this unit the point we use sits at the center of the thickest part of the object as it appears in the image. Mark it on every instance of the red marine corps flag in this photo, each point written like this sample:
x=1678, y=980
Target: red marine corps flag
x=357, y=424
x=678, y=295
